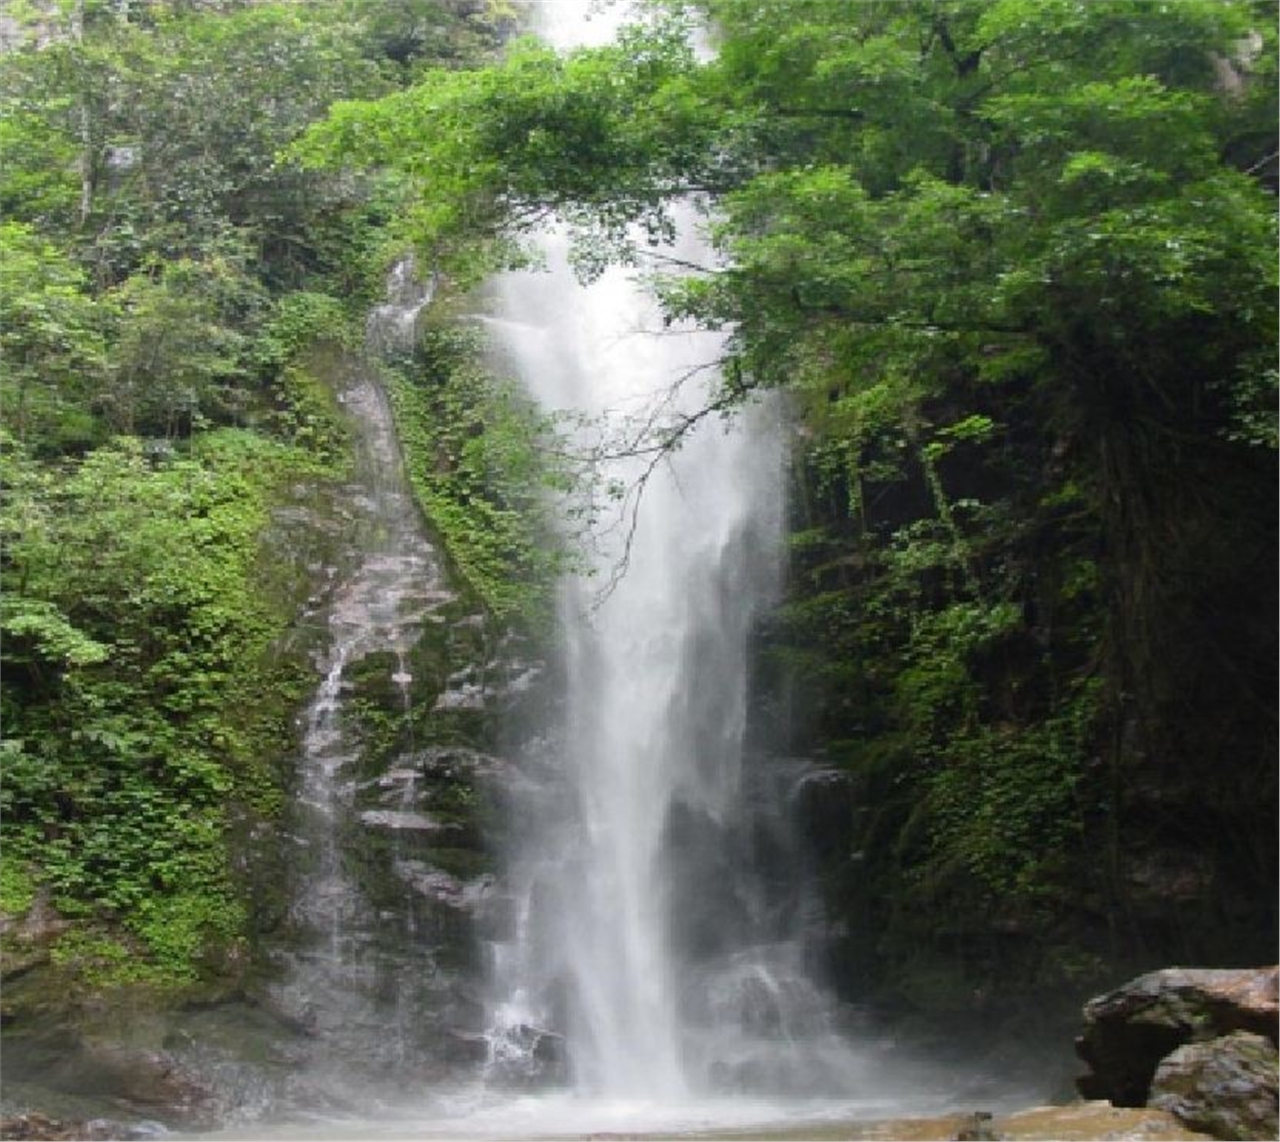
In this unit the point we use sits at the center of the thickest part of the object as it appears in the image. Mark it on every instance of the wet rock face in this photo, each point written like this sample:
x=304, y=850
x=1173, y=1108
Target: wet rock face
x=1225, y=1087
x=1130, y=1030
x=92, y=1071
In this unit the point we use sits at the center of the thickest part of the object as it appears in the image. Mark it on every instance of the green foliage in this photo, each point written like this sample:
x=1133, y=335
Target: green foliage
x=52, y=341
x=300, y=320
x=134, y=643
x=17, y=890
x=484, y=150
x=478, y=463
x=98, y=959
x=309, y=419
x=1006, y=804
x=179, y=356
x=164, y=274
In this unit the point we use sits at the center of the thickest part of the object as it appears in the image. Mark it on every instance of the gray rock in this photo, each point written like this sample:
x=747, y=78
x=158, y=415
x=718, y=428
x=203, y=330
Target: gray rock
x=399, y=819
x=466, y=1047
x=1130, y=1030
x=439, y=887
x=824, y=804
x=1225, y=1086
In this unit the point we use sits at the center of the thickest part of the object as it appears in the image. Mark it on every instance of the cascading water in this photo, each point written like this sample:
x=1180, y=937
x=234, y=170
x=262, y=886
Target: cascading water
x=348, y=966
x=647, y=935
x=394, y=324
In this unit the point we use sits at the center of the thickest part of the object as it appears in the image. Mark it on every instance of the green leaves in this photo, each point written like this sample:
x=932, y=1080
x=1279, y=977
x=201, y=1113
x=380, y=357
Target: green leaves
x=51, y=636
x=52, y=340
x=132, y=629
x=479, y=462
x=495, y=152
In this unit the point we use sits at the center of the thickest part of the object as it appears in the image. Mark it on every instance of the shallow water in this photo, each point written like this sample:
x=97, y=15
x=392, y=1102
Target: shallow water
x=483, y=1115
x=545, y=1118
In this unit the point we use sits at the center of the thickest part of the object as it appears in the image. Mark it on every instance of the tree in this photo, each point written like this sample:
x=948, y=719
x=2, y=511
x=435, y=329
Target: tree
x=52, y=342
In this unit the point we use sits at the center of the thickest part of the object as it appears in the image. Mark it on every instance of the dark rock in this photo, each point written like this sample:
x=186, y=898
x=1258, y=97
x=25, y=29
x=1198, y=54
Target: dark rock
x=548, y=1047
x=466, y=1047
x=823, y=801
x=456, y=764
x=1128, y=1031
x=977, y=1128
x=1225, y=1087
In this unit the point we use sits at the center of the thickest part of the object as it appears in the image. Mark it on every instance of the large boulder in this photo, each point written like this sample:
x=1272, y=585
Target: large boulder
x=1130, y=1030
x=1225, y=1087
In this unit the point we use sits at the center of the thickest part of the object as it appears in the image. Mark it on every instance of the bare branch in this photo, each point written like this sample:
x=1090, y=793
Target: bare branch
x=658, y=452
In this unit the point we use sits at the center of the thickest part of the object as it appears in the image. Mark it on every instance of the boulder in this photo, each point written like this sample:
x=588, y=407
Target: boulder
x=1130, y=1030
x=1225, y=1086
x=824, y=804
x=150, y=1080
x=466, y=1047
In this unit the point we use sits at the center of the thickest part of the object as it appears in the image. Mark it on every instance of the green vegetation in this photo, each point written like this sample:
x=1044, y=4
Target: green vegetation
x=1014, y=262
x=163, y=274
x=139, y=691
x=478, y=464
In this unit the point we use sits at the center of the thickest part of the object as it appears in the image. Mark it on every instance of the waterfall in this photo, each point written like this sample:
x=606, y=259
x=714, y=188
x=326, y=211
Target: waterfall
x=647, y=935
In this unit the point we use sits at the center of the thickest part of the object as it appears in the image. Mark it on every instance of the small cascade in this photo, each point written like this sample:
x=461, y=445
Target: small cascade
x=338, y=969
x=393, y=326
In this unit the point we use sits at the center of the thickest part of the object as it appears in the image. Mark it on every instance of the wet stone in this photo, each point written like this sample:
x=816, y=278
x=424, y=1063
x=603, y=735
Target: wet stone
x=399, y=820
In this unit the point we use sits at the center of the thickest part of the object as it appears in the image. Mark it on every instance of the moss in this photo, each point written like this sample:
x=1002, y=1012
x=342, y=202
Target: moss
x=17, y=888
x=471, y=442
x=464, y=863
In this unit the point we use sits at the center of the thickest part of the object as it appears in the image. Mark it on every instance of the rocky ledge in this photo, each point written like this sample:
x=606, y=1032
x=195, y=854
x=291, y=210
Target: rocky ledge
x=1199, y=1043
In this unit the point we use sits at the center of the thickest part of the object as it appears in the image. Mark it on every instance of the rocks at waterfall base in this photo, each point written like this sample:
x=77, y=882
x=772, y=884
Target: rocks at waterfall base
x=1200, y=1043
x=42, y=1128
x=1225, y=1087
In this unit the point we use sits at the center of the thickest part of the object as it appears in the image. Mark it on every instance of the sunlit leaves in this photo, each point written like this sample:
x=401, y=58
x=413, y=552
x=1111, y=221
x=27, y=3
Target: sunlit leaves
x=131, y=620
x=52, y=339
